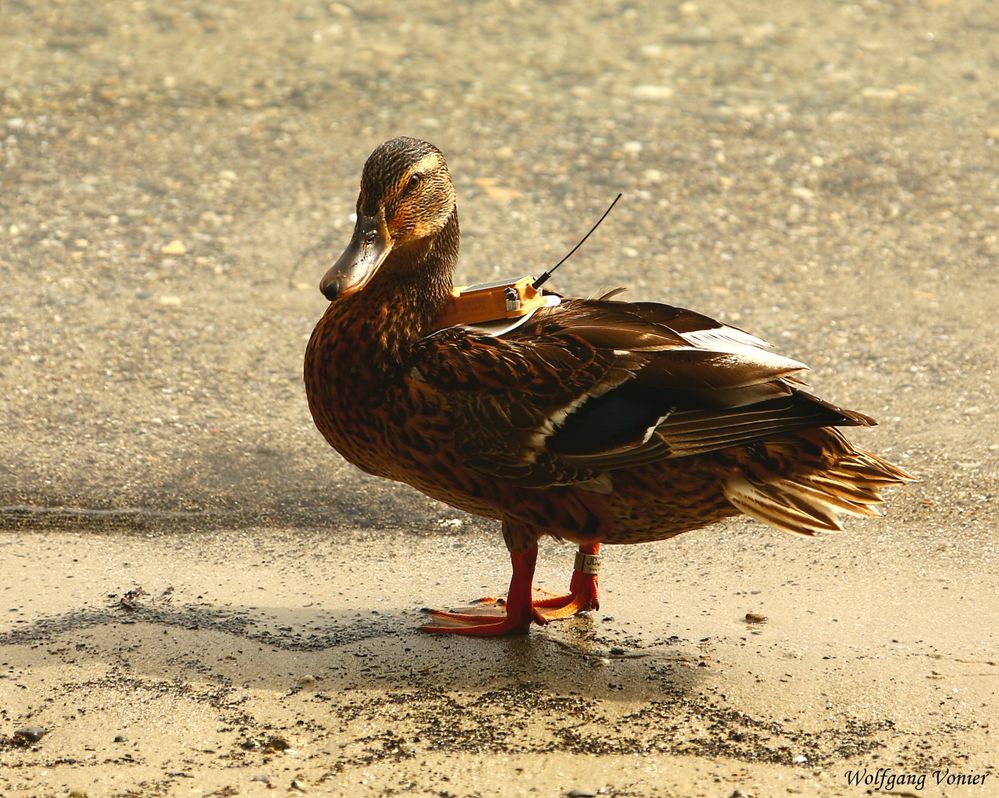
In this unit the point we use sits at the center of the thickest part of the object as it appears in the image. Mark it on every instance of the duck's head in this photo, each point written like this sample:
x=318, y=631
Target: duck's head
x=405, y=207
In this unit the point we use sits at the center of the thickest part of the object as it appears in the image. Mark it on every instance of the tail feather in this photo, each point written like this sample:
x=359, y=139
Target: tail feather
x=840, y=489
x=802, y=483
x=836, y=497
x=775, y=507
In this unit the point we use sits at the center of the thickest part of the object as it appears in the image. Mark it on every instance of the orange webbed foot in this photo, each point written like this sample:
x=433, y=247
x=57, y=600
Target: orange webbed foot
x=583, y=594
x=518, y=615
x=478, y=624
x=559, y=607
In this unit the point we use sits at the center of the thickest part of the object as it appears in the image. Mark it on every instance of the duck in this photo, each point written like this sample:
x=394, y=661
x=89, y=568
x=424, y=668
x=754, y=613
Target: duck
x=595, y=421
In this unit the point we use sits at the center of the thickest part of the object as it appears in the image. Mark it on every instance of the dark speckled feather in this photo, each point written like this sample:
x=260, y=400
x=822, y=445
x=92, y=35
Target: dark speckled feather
x=597, y=420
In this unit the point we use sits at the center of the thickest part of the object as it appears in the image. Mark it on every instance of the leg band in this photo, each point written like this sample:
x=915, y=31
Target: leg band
x=587, y=563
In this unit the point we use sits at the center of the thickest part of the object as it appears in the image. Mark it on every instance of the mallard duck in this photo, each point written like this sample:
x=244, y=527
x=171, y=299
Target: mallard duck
x=596, y=421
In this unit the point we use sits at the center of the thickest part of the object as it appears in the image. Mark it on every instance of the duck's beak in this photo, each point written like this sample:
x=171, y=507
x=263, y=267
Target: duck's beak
x=367, y=250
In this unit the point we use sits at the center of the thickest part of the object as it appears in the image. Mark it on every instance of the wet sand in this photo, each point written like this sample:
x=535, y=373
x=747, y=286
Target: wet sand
x=218, y=665
x=199, y=597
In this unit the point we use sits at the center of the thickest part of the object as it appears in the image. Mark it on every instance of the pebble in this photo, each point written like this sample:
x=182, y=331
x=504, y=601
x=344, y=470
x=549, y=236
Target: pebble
x=737, y=793
x=617, y=651
x=297, y=785
x=120, y=738
x=495, y=191
x=175, y=248
x=755, y=617
x=307, y=681
x=578, y=793
x=877, y=96
x=169, y=300
x=263, y=778
x=800, y=759
x=31, y=734
x=649, y=91
x=277, y=743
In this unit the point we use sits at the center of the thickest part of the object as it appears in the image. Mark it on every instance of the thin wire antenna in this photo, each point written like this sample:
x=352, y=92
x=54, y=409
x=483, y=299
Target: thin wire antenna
x=544, y=277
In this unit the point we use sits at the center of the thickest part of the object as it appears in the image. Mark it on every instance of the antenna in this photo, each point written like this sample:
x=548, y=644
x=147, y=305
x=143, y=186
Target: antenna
x=544, y=277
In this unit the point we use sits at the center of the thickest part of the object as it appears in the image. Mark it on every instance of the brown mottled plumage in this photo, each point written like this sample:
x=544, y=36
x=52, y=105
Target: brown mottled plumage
x=597, y=421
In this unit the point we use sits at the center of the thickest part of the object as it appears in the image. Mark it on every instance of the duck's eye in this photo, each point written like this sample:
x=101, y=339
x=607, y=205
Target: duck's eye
x=414, y=182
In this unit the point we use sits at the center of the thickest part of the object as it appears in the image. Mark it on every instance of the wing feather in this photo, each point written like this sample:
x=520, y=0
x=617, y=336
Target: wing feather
x=593, y=386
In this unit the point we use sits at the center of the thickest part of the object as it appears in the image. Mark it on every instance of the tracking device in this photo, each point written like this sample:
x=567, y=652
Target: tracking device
x=498, y=307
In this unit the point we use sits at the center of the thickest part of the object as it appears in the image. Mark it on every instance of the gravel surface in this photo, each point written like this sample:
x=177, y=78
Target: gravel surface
x=824, y=177
x=175, y=178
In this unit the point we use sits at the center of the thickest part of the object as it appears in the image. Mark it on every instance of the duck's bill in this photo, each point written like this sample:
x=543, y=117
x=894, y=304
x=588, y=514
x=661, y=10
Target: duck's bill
x=367, y=250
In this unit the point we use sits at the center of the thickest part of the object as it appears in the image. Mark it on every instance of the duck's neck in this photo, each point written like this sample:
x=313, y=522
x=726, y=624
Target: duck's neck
x=402, y=301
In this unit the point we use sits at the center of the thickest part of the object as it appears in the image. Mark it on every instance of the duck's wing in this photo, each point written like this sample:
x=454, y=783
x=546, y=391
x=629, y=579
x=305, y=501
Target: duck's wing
x=592, y=386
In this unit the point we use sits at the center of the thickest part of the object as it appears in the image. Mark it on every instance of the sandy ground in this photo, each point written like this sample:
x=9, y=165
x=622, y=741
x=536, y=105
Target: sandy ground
x=199, y=597
x=238, y=662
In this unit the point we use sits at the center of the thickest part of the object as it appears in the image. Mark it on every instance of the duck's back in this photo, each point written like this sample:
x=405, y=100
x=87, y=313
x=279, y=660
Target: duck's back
x=644, y=420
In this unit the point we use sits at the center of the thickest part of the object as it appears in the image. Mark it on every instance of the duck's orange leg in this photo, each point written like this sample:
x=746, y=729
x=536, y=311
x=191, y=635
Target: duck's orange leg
x=582, y=595
x=519, y=614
